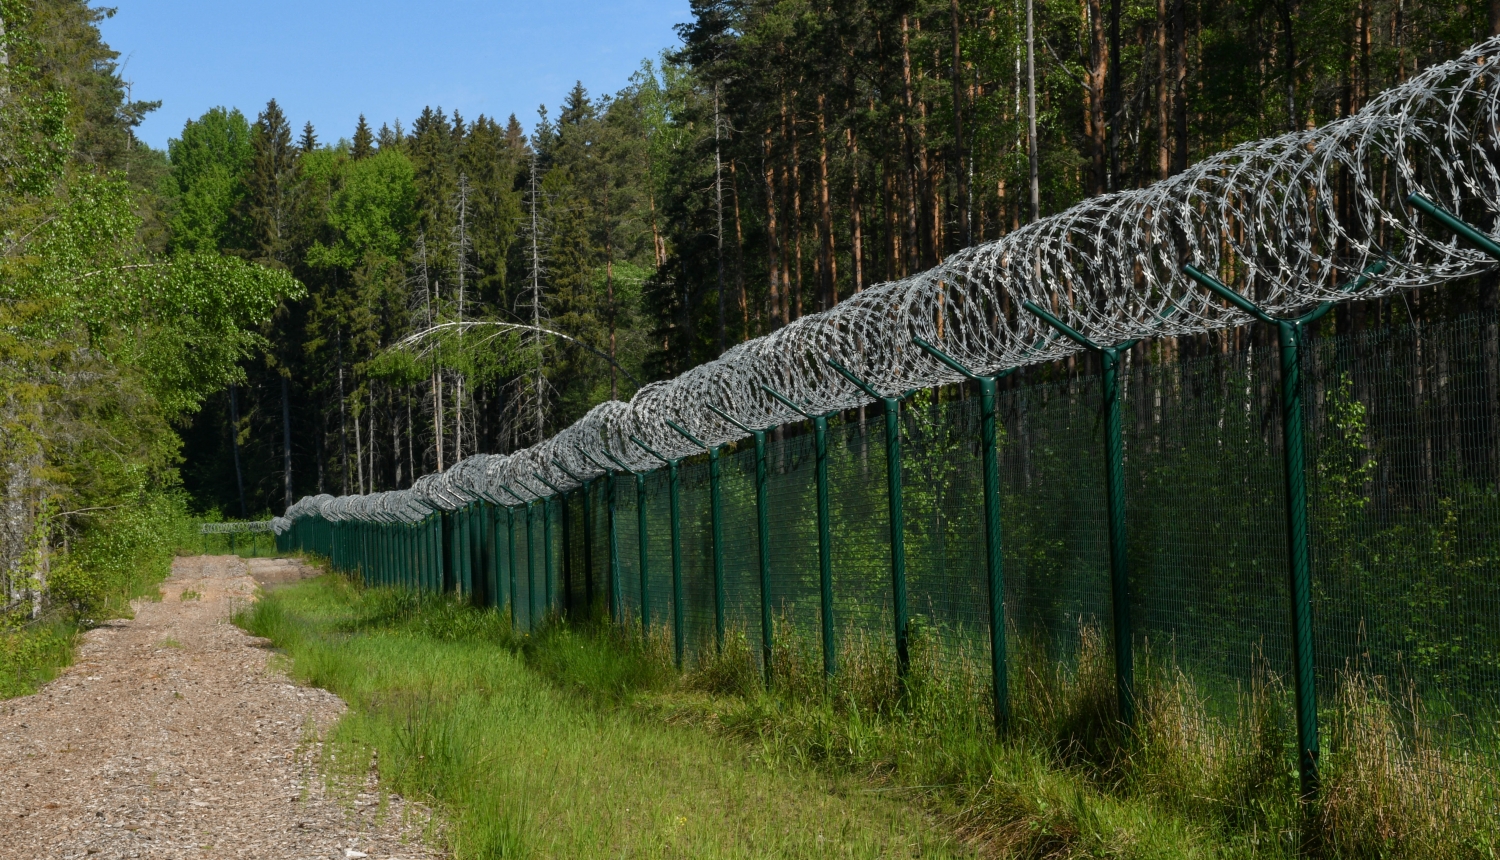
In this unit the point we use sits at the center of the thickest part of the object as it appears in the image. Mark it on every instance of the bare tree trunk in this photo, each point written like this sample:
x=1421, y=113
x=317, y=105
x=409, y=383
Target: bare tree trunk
x=827, y=264
x=234, y=441
x=343, y=415
x=913, y=261
x=1093, y=98
x=856, y=219
x=964, y=230
x=796, y=182
x=719, y=223
x=1179, y=91
x=1036, y=189
x=1163, y=94
x=773, y=239
x=739, y=253
x=286, y=437
x=359, y=456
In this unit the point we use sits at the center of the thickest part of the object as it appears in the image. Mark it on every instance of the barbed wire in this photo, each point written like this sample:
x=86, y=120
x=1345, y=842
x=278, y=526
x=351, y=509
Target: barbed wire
x=1289, y=221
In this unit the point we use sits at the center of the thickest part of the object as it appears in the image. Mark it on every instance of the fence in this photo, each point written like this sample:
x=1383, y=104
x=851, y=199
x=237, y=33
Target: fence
x=1402, y=461
x=991, y=464
x=228, y=535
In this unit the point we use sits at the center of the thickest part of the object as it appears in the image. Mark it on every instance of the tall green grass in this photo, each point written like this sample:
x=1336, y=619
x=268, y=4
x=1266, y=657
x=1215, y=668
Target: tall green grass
x=543, y=746
x=1194, y=778
x=1202, y=775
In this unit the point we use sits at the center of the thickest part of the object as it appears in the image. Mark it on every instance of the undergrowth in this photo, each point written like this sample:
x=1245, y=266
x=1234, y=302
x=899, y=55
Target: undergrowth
x=113, y=556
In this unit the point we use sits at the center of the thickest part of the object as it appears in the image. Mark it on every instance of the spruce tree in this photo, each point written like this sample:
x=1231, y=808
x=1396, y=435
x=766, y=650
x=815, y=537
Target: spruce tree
x=309, y=141
x=270, y=186
x=364, y=140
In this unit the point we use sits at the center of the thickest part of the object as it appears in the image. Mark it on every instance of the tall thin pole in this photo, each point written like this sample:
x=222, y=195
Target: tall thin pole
x=1036, y=188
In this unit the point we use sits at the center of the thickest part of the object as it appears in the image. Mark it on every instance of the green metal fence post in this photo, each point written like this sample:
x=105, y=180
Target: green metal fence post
x=716, y=530
x=825, y=530
x=616, y=589
x=588, y=538
x=1114, y=481
x=763, y=540
x=547, y=572
x=1294, y=466
x=510, y=549
x=993, y=541
x=894, y=511
x=530, y=570
x=510, y=514
x=547, y=521
x=674, y=512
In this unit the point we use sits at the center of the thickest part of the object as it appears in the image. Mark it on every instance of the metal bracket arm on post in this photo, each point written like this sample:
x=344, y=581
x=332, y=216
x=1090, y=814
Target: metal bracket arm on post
x=1114, y=481
x=994, y=548
x=1456, y=224
x=1294, y=465
x=666, y=461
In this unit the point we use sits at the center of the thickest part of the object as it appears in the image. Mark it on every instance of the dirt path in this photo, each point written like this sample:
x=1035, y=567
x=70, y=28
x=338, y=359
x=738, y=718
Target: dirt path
x=171, y=737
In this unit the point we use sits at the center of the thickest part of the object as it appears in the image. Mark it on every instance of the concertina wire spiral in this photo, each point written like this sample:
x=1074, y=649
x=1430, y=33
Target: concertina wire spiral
x=1288, y=221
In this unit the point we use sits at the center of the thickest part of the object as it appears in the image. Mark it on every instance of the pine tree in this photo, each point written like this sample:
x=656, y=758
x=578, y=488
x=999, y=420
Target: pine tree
x=270, y=187
x=364, y=141
x=309, y=141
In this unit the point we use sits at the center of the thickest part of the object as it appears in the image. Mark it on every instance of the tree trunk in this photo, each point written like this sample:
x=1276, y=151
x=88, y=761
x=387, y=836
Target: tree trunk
x=796, y=179
x=234, y=442
x=912, y=259
x=286, y=438
x=1093, y=98
x=856, y=220
x=1179, y=92
x=827, y=264
x=1163, y=95
x=775, y=318
x=964, y=231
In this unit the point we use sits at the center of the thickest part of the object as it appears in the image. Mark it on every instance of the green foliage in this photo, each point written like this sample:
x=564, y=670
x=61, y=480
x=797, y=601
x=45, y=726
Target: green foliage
x=208, y=165
x=31, y=657
x=121, y=554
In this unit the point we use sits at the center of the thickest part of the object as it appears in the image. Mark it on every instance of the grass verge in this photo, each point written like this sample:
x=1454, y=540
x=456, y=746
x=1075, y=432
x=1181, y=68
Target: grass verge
x=537, y=747
x=582, y=740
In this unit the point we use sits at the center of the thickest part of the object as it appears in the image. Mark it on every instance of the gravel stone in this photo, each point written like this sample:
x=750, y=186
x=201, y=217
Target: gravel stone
x=172, y=736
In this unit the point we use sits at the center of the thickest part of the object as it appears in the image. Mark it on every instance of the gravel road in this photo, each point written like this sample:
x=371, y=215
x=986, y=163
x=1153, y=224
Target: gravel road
x=172, y=737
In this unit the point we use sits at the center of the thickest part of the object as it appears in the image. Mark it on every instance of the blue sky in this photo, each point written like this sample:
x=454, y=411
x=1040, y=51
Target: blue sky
x=328, y=61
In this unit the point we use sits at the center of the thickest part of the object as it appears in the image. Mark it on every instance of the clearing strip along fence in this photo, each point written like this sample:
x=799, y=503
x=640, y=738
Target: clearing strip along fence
x=1084, y=437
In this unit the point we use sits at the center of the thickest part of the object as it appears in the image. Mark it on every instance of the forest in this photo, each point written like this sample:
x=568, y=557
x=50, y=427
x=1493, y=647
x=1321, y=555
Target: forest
x=420, y=289
x=782, y=157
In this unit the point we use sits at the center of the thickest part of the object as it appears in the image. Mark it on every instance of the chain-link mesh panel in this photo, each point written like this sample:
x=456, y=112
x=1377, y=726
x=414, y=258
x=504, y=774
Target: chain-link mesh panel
x=1053, y=512
x=1207, y=518
x=742, y=602
x=791, y=498
x=859, y=516
x=1405, y=517
x=697, y=557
